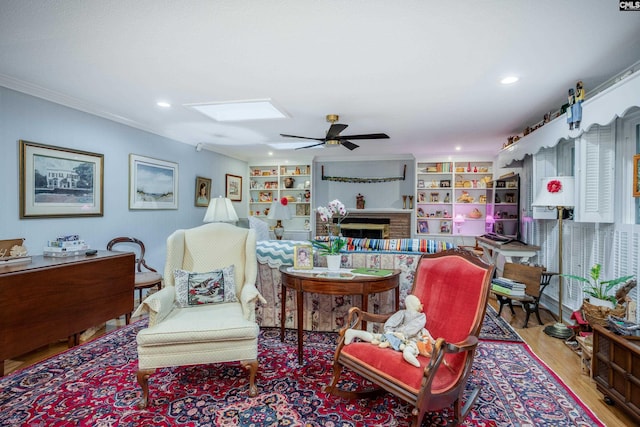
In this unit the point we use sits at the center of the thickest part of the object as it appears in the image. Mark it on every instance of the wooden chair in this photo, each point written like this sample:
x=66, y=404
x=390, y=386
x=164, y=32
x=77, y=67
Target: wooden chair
x=453, y=287
x=535, y=279
x=143, y=279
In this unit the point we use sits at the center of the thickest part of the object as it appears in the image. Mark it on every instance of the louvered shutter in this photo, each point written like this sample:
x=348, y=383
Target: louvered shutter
x=595, y=161
x=544, y=165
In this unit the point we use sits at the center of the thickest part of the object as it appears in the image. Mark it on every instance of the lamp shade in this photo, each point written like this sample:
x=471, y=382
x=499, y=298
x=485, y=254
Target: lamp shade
x=556, y=191
x=279, y=211
x=220, y=210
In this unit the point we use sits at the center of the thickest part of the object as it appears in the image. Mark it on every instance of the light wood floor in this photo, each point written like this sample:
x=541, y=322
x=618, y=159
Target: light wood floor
x=552, y=351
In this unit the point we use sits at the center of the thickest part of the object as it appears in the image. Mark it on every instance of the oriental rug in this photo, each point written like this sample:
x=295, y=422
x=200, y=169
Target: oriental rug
x=94, y=385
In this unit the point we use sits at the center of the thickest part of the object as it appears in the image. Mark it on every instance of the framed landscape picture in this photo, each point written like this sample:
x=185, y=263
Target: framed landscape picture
x=203, y=191
x=153, y=183
x=233, y=187
x=636, y=175
x=59, y=182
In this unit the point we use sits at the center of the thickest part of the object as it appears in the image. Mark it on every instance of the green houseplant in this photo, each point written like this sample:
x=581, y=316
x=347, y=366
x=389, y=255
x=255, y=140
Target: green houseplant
x=334, y=244
x=599, y=289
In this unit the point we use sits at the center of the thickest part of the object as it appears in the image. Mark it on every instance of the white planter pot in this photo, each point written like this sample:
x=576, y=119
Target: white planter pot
x=333, y=262
x=601, y=302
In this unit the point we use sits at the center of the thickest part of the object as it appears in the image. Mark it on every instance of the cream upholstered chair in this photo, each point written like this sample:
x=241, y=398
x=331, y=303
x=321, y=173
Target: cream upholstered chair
x=217, y=332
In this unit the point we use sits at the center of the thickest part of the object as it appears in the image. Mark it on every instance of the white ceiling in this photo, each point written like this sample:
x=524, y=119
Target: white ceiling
x=424, y=72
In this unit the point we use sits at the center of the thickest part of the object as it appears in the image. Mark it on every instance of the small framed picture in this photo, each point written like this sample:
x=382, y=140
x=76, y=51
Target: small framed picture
x=445, y=183
x=445, y=227
x=636, y=174
x=422, y=197
x=203, y=191
x=302, y=257
x=233, y=187
x=423, y=226
x=421, y=183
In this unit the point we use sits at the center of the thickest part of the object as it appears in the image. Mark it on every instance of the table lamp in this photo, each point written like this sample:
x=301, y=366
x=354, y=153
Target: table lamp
x=458, y=221
x=557, y=193
x=220, y=210
x=279, y=211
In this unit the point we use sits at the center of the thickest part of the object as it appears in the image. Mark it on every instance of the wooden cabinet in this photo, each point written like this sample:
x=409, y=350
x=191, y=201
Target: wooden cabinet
x=57, y=298
x=451, y=197
x=616, y=369
x=272, y=182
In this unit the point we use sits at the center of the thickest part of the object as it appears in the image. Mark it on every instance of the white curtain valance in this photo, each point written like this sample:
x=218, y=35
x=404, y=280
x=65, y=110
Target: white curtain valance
x=602, y=109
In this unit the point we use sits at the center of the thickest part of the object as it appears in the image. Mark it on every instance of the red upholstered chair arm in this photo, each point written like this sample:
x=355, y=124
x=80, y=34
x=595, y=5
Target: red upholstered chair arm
x=442, y=347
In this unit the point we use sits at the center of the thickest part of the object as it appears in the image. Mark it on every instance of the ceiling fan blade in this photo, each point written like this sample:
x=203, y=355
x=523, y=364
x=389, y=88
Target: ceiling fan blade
x=301, y=137
x=367, y=136
x=348, y=144
x=310, y=146
x=335, y=129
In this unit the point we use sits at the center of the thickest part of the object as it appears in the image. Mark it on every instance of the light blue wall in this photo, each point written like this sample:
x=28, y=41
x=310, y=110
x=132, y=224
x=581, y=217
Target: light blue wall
x=23, y=117
x=381, y=195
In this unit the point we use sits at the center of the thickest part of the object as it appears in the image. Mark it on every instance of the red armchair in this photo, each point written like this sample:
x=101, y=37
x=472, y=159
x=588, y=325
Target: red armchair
x=453, y=287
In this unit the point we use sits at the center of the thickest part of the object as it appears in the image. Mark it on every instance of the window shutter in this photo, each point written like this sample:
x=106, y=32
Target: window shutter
x=544, y=165
x=595, y=156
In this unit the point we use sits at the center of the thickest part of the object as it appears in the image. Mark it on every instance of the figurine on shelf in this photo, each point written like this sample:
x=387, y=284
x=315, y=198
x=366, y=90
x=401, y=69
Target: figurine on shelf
x=576, y=109
x=447, y=198
x=571, y=98
x=359, y=201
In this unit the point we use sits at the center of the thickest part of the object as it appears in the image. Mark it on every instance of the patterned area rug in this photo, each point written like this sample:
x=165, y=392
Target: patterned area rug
x=94, y=385
x=495, y=328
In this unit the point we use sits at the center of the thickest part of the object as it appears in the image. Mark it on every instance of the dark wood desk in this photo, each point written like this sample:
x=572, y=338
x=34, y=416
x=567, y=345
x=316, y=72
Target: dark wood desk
x=302, y=282
x=53, y=298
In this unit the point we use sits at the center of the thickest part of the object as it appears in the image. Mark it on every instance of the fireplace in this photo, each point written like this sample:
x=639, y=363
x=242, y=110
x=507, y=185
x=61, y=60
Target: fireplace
x=371, y=228
x=367, y=223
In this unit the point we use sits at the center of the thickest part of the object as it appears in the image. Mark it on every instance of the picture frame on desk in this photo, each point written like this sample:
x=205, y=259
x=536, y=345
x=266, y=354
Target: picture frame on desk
x=153, y=183
x=303, y=257
x=60, y=182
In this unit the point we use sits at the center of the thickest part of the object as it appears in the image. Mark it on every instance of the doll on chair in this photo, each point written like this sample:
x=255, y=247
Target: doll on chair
x=404, y=331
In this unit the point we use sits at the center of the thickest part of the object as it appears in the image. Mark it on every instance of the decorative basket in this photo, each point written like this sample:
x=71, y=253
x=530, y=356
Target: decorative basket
x=597, y=315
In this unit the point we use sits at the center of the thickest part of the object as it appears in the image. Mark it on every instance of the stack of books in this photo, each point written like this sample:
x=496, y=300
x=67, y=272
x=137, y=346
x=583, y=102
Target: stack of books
x=508, y=286
x=65, y=246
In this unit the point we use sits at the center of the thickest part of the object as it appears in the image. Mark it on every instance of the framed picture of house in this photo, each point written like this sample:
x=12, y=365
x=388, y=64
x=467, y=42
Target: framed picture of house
x=636, y=175
x=60, y=182
x=153, y=183
x=203, y=191
x=233, y=187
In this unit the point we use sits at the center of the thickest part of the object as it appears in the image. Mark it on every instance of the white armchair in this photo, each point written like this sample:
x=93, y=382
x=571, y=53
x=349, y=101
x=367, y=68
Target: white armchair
x=181, y=334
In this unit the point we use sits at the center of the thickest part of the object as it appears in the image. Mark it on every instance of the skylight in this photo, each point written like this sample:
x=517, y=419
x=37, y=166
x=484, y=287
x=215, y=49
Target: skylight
x=240, y=110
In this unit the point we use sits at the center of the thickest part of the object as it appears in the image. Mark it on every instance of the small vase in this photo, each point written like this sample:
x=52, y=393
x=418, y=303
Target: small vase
x=333, y=262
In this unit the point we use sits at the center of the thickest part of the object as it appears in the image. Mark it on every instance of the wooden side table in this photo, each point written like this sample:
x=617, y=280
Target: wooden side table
x=308, y=281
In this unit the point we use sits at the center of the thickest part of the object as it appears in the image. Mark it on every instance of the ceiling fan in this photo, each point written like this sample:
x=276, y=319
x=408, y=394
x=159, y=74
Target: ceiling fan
x=334, y=138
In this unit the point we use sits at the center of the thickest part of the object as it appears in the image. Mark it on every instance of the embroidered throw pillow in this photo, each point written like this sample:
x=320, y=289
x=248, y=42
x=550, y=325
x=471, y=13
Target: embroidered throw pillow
x=212, y=287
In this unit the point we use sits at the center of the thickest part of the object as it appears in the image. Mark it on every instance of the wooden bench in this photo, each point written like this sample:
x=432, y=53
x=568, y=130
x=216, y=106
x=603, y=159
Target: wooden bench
x=535, y=279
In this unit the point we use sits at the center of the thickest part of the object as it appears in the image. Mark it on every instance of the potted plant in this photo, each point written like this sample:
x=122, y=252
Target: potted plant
x=331, y=249
x=599, y=291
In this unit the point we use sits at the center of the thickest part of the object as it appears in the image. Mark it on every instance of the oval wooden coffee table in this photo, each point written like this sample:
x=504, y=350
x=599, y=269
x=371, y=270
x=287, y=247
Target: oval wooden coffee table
x=318, y=282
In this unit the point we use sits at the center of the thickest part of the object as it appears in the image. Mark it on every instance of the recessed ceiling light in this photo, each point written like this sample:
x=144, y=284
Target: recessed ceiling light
x=240, y=110
x=458, y=148
x=509, y=80
x=163, y=104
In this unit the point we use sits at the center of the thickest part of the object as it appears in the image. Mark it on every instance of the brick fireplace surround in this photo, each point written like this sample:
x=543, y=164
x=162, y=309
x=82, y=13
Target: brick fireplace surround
x=399, y=221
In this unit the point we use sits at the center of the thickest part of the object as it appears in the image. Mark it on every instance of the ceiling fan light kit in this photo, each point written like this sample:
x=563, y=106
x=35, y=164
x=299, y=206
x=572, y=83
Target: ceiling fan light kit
x=333, y=137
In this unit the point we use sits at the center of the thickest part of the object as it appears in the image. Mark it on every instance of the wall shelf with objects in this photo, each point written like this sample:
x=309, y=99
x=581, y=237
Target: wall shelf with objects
x=271, y=182
x=504, y=205
x=451, y=197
